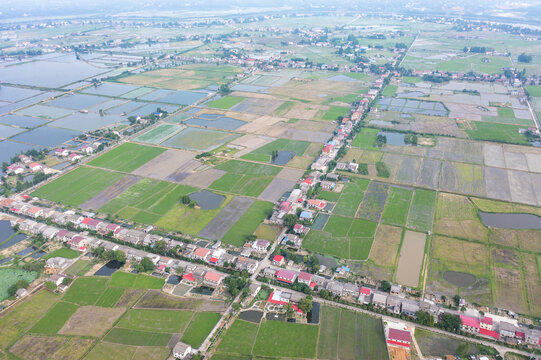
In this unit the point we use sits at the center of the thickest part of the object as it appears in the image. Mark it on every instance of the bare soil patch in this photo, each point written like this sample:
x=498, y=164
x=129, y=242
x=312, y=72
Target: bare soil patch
x=37, y=347
x=172, y=165
x=204, y=178
x=411, y=258
x=91, y=321
x=228, y=216
x=385, y=248
x=110, y=193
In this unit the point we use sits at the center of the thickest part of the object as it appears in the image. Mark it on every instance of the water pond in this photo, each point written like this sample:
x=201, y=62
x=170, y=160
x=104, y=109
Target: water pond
x=14, y=240
x=511, y=221
x=109, y=268
x=252, y=316
x=27, y=251
x=173, y=279
x=202, y=290
x=283, y=157
x=459, y=279
x=46, y=136
x=394, y=138
x=5, y=230
x=22, y=121
x=207, y=200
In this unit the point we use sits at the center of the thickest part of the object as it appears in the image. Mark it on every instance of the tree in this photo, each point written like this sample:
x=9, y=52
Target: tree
x=456, y=299
x=147, y=264
x=50, y=285
x=120, y=256
x=99, y=251
x=425, y=318
x=290, y=220
x=306, y=304
x=385, y=286
x=450, y=322
x=66, y=281
x=289, y=310
x=523, y=58
x=159, y=246
x=234, y=284
x=185, y=199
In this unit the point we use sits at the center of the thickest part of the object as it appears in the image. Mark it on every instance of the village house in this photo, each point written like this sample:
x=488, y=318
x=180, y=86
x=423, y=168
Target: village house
x=15, y=169
x=56, y=263
x=353, y=167
x=61, y=152
x=261, y=245
x=507, y=329
x=57, y=279
x=74, y=156
x=25, y=159
x=286, y=276
x=365, y=296
x=181, y=350
x=35, y=167
x=379, y=299
x=394, y=304
x=410, y=307
x=90, y=224
x=212, y=279
x=293, y=241
x=243, y=263
x=87, y=149
x=335, y=287
x=317, y=204
x=35, y=212
x=398, y=337
x=304, y=278
x=22, y=292
x=328, y=185
x=306, y=215
x=278, y=260
x=470, y=324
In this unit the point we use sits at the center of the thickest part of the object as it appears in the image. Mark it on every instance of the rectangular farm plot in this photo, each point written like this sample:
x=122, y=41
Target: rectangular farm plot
x=411, y=258
x=422, y=210
x=533, y=281
x=91, y=321
x=456, y=216
x=451, y=254
x=335, y=112
x=283, y=339
x=247, y=223
x=408, y=170
x=173, y=321
x=397, y=206
x=146, y=197
x=159, y=134
x=384, y=251
x=226, y=102
x=286, y=148
x=110, y=193
x=350, y=335
x=244, y=178
x=126, y=157
x=497, y=184
x=239, y=338
x=86, y=290
x=366, y=139
x=351, y=197
x=229, y=215
x=137, y=338
x=200, y=326
x=190, y=220
x=324, y=243
x=172, y=165
x=77, y=186
x=196, y=139
x=53, y=321
x=373, y=201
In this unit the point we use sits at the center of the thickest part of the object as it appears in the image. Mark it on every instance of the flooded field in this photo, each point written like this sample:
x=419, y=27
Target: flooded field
x=207, y=200
x=411, y=258
x=459, y=279
x=511, y=221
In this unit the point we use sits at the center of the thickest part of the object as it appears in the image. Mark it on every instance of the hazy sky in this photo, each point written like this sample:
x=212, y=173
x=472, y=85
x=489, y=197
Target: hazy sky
x=46, y=8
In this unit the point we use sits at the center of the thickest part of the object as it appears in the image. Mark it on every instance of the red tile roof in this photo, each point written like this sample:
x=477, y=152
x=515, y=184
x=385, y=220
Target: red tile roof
x=201, y=252
x=188, y=277
x=492, y=334
x=278, y=258
x=213, y=260
x=308, y=181
x=305, y=276
x=213, y=277
x=366, y=291
x=486, y=320
x=469, y=321
x=399, y=335
x=520, y=334
x=286, y=276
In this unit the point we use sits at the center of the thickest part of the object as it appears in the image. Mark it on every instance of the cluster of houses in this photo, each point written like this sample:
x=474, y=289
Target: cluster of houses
x=497, y=327
x=85, y=150
x=192, y=273
x=26, y=165
x=396, y=302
